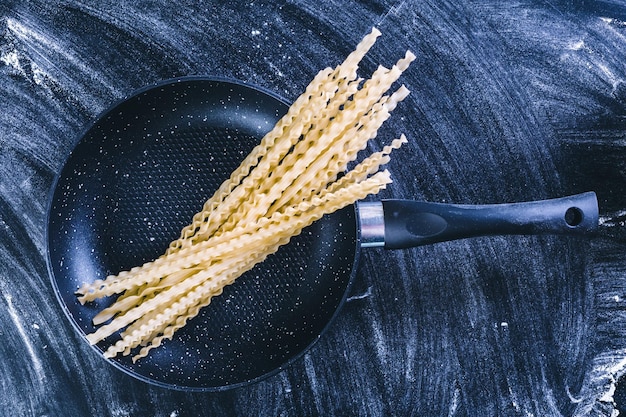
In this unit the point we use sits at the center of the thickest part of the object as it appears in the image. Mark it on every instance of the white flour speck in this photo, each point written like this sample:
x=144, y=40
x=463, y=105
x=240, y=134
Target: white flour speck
x=11, y=59
x=576, y=46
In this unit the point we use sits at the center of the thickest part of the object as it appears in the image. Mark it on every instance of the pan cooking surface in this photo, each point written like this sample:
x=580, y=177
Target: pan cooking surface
x=135, y=180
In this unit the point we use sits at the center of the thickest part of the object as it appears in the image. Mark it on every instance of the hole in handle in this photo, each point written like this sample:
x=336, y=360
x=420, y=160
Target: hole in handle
x=573, y=216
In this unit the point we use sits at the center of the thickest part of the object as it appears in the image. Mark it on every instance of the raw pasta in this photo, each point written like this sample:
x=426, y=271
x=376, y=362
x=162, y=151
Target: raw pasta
x=298, y=173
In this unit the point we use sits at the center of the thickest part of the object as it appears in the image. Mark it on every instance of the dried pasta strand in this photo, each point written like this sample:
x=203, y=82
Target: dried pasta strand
x=322, y=86
x=342, y=198
x=351, y=152
x=213, y=249
x=209, y=287
x=203, y=300
x=368, y=166
x=288, y=181
x=227, y=272
x=345, y=71
x=259, y=204
x=200, y=297
x=325, y=169
x=158, y=320
x=285, y=124
x=347, y=123
x=125, y=303
x=336, y=91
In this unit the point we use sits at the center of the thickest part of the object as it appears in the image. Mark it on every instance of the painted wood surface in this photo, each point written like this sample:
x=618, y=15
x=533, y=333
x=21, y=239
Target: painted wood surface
x=510, y=102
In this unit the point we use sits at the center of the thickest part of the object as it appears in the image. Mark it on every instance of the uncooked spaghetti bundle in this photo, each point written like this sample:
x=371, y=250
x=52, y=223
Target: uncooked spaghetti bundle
x=295, y=175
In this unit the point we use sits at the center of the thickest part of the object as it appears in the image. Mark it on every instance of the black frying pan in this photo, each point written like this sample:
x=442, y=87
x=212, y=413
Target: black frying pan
x=142, y=170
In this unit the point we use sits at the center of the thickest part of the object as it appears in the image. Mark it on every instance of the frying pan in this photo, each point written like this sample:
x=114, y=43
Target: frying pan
x=140, y=172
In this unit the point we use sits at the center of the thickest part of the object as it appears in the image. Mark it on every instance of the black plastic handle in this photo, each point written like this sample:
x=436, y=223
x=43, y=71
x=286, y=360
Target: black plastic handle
x=413, y=223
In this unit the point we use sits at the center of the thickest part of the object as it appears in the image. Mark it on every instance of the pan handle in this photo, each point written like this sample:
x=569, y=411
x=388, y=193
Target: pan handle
x=414, y=223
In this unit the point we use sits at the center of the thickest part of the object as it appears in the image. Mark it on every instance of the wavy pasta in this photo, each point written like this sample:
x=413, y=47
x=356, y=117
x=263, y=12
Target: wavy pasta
x=298, y=173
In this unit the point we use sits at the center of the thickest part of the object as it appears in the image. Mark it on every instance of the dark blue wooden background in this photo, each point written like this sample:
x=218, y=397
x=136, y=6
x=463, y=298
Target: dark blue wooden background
x=510, y=101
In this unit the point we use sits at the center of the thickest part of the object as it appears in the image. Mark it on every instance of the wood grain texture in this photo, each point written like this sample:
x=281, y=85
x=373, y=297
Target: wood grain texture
x=510, y=102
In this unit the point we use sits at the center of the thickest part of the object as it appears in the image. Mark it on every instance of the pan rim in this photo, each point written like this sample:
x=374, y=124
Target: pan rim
x=72, y=319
